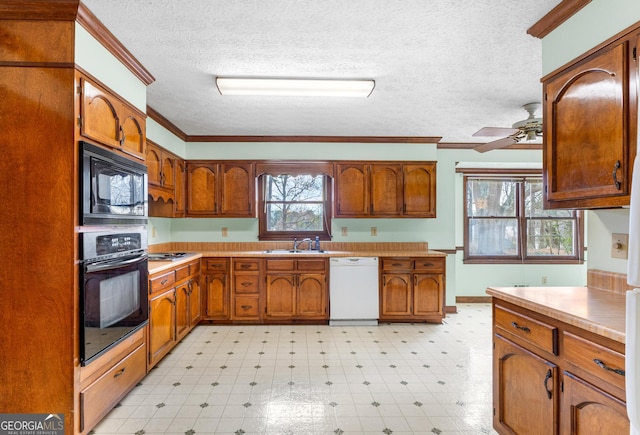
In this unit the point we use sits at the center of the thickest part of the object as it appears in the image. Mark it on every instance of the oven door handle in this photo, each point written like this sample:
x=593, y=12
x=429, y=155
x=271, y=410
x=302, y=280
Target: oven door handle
x=113, y=264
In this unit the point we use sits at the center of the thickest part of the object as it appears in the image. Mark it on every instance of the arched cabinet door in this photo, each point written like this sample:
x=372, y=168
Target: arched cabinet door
x=590, y=119
x=202, y=194
x=107, y=119
x=419, y=189
x=351, y=190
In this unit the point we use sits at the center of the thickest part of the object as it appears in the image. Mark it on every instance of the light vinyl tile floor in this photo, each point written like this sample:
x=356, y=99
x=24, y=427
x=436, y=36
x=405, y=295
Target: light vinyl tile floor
x=297, y=380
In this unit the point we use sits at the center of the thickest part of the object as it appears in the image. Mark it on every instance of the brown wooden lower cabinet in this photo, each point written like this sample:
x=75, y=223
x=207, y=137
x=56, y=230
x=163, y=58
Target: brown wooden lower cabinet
x=174, y=308
x=553, y=378
x=247, y=276
x=526, y=388
x=591, y=411
x=217, y=292
x=412, y=289
x=296, y=290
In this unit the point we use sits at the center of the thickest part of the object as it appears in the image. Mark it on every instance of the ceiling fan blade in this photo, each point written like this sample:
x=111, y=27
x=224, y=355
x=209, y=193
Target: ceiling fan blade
x=500, y=143
x=496, y=131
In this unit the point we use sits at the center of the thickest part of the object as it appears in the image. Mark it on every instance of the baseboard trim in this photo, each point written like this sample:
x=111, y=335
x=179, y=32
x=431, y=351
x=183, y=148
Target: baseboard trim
x=450, y=309
x=473, y=299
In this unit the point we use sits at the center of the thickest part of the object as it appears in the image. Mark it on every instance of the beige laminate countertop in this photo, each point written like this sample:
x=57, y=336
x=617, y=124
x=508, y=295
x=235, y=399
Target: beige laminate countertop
x=156, y=266
x=599, y=311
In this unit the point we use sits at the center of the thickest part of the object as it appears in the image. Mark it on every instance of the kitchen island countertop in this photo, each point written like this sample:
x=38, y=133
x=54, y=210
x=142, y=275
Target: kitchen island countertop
x=599, y=311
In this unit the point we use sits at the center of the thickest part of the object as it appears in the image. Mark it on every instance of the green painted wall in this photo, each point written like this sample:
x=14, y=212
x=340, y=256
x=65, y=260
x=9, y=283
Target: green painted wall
x=443, y=232
x=591, y=25
x=99, y=62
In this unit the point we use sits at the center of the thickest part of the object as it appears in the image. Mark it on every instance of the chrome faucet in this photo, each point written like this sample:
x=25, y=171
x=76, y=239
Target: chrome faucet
x=296, y=243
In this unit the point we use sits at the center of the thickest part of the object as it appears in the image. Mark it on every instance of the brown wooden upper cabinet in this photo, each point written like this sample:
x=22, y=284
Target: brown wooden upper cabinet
x=161, y=169
x=220, y=189
x=109, y=120
x=590, y=129
x=385, y=189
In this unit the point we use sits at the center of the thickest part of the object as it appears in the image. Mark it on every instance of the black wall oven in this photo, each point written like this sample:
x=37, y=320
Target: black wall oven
x=113, y=188
x=114, y=288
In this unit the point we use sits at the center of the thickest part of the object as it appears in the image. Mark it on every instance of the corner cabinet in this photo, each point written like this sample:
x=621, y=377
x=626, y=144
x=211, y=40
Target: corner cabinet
x=588, y=164
x=412, y=289
x=551, y=378
x=109, y=120
x=220, y=189
x=385, y=189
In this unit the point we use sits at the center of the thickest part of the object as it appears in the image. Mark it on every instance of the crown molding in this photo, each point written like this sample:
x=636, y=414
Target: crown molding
x=99, y=31
x=157, y=117
x=327, y=139
x=556, y=16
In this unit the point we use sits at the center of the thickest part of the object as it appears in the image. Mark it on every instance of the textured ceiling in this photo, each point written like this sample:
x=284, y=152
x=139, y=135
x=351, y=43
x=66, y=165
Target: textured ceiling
x=442, y=67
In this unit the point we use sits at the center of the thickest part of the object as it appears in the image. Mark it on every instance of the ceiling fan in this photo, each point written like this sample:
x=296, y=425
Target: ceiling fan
x=527, y=129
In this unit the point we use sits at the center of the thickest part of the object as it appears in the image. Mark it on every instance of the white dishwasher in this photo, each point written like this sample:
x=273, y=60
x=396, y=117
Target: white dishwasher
x=353, y=291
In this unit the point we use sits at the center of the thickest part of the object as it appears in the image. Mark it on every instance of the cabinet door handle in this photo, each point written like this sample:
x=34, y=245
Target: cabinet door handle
x=245, y=307
x=614, y=175
x=396, y=264
x=427, y=264
x=522, y=328
x=246, y=284
x=119, y=372
x=603, y=366
x=245, y=266
x=546, y=383
x=164, y=281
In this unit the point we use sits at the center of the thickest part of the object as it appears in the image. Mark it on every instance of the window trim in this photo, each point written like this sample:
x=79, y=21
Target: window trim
x=521, y=258
x=294, y=168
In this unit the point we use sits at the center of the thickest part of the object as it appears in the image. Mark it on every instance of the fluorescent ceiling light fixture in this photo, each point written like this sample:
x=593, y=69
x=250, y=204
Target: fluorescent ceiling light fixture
x=295, y=87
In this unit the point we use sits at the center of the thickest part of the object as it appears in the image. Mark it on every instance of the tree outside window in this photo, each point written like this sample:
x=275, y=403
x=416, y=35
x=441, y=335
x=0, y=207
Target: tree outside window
x=505, y=223
x=294, y=206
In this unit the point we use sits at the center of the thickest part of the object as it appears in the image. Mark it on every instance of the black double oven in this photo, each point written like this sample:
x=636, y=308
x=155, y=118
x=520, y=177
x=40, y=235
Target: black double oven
x=113, y=246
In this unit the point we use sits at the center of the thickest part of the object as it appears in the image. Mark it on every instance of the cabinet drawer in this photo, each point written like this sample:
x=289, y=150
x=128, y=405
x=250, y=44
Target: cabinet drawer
x=396, y=264
x=280, y=264
x=215, y=264
x=246, y=306
x=99, y=397
x=246, y=265
x=598, y=360
x=162, y=282
x=537, y=333
x=187, y=270
x=429, y=264
x=182, y=273
x=246, y=283
x=312, y=265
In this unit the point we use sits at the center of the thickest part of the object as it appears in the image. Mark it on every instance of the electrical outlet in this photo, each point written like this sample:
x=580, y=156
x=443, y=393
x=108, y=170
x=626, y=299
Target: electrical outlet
x=153, y=232
x=225, y=232
x=544, y=280
x=619, y=245
x=345, y=231
x=374, y=231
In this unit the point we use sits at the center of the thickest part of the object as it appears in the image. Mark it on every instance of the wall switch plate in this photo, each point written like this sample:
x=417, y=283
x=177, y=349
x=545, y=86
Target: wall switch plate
x=620, y=246
x=225, y=232
x=345, y=231
x=374, y=231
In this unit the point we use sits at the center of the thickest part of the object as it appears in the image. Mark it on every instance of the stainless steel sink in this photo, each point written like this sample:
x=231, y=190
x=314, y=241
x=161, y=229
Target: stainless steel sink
x=293, y=251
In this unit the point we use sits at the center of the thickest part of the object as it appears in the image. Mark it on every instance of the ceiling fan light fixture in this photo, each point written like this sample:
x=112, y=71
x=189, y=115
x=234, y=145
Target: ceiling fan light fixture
x=294, y=87
x=531, y=135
